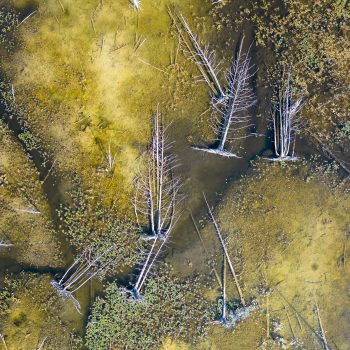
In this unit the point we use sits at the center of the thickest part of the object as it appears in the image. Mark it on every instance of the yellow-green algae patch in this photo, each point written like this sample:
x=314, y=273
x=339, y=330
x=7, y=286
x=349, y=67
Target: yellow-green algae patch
x=31, y=312
x=90, y=75
x=24, y=211
x=287, y=231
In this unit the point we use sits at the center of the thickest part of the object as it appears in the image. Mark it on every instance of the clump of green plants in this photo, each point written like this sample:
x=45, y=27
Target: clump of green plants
x=8, y=23
x=29, y=140
x=92, y=227
x=172, y=308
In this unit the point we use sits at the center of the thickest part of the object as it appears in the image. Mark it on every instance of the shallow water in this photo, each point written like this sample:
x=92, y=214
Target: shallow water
x=201, y=172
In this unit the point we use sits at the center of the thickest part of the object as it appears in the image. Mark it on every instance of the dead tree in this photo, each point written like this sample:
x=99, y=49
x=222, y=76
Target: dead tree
x=202, y=56
x=157, y=198
x=232, y=122
x=158, y=189
x=82, y=270
x=222, y=242
x=285, y=119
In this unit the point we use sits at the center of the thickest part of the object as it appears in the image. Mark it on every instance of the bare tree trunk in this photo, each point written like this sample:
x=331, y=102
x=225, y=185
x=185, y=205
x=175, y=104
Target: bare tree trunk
x=218, y=231
x=202, y=57
x=3, y=341
x=224, y=307
x=323, y=333
x=42, y=344
x=5, y=244
x=157, y=190
x=82, y=270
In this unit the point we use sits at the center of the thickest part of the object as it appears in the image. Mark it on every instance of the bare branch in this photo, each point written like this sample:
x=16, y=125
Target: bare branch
x=157, y=197
x=202, y=57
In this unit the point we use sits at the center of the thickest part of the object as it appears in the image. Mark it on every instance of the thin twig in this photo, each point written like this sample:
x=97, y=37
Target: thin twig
x=217, y=229
x=26, y=18
x=59, y=1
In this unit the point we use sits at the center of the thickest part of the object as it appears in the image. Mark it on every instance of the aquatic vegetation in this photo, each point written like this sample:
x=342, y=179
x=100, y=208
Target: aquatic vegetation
x=286, y=245
x=315, y=37
x=79, y=79
x=8, y=23
x=25, y=219
x=173, y=308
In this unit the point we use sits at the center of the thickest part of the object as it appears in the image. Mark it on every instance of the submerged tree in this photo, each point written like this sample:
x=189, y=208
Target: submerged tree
x=285, y=119
x=232, y=122
x=157, y=197
x=231, y=101
x=157, y=189
x=104, y=242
